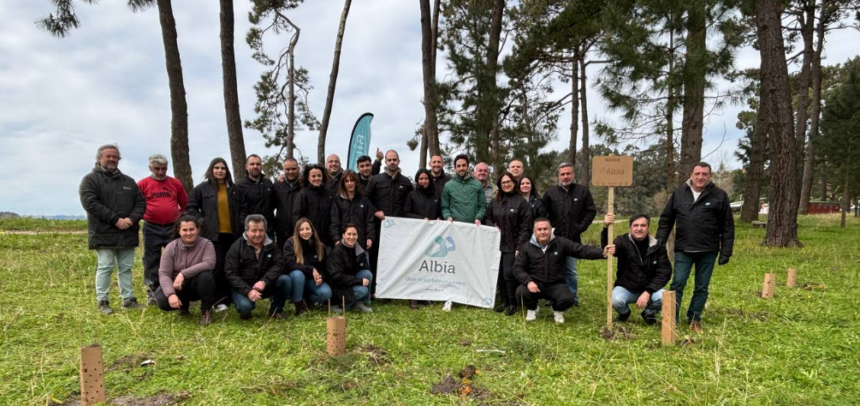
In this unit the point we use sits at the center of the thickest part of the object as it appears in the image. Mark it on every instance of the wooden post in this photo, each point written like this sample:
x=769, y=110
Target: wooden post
x=769, y=285
x=92, y=375
x=792, y=278
x=668, y=326
x=610, y=210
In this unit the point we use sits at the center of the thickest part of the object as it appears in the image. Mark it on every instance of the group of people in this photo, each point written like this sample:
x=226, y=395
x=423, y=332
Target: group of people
x=312, y=235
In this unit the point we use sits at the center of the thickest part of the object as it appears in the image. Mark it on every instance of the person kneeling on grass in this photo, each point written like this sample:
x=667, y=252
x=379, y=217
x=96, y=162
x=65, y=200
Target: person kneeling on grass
x=540, y=269
x=643, y=269
x=255, y=269
x=305, y=257
x=349, y=275
x=185, y=271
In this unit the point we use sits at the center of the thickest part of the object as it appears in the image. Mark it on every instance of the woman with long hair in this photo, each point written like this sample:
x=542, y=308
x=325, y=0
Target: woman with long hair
x=315, y=200
x=349, y=273
x=529, y=191
x=423, y=202
x=221, y=209
x=512, y=216
x=351, y=206
x=305, y=256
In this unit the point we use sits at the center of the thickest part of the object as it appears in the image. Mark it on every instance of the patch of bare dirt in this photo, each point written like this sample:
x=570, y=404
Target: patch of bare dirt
x=376, y=355
x=161, y=399
x=617, y=332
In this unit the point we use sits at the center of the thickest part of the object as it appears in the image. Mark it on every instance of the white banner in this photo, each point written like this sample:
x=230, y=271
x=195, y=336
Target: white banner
x=438, y=261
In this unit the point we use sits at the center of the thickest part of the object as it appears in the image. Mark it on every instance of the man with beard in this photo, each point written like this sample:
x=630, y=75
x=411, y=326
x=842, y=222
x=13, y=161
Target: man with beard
x=335, y=171
x=257, y=190
x=437, y=174
x=284, y=200
x=114, y=207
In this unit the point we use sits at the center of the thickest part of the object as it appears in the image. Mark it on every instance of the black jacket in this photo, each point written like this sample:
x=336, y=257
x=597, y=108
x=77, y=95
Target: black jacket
x=343, y=264
x=536, y=204
x=258, y=198
x=388, y=194
x=512, y=215
x=636, y=272
x=422, y=203
x=203, y=202
x=315, y=204
x=439, y=183
x=334, y=182
x=311, y=259
x=108, y=197
x=357, y=211
x=571, y=211
x=285, y=198
x=546, y=269
x=243, y=268
x=705, y=225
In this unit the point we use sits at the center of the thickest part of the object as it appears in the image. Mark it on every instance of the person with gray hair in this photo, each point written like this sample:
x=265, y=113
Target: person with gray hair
x=571, y=209
x=165, y=201
x=254, y=268
x=114, y=206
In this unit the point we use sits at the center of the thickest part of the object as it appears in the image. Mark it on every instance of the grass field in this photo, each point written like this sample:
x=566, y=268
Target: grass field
x=802, y=347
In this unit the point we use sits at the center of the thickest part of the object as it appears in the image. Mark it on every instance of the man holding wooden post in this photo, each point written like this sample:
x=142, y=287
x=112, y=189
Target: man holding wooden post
x=704, y=228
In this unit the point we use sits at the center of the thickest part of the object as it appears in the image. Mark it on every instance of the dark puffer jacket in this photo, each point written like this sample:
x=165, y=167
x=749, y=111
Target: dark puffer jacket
x=108, y=197
x=423, y=203
x=258, y=198
x=513, y=216
x=343, y=264
x=311, y=259
x=388, y=194
x=315, y=204
x=203, y=202
x=285, y=198
x=570, y=211
x=243, y=268
x=638, y=273
x=705, y=225
x=439, y=182
x=547, y=268
x=357, y=211
x=536, y=204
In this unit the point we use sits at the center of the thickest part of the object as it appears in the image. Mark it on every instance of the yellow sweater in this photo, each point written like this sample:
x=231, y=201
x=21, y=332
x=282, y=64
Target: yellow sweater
x=223, y=210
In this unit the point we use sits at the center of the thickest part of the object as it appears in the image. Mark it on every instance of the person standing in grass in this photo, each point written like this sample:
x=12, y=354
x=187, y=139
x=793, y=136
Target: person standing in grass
x=643, y=269
x=349, y=275
x=540, y=269
x=513, y=217
x=351, y=206
x=704, y=230
x=257, y=191
x=463, y=200
x=185, y=271
x=255, y=269
x=284, y=198
x=305, y=257
x=165, y=199
x=314, y=202
x=114, y=207
x=221, y=207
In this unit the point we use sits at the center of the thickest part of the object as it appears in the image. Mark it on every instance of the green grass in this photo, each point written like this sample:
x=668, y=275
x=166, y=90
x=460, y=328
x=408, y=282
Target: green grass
x=802, y=347
x=41, y=225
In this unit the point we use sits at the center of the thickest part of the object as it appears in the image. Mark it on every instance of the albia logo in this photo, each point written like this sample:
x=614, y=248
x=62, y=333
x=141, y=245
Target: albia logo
x=439, y=249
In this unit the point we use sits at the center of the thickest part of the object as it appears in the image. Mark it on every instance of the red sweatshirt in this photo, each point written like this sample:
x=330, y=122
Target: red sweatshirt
x=165, y=199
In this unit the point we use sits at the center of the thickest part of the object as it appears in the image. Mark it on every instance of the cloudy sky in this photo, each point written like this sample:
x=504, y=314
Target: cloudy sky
x=62, y=98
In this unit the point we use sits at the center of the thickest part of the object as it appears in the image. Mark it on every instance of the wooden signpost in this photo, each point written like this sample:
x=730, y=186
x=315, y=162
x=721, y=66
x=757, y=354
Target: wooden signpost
x=668, y=327
x=611, y=171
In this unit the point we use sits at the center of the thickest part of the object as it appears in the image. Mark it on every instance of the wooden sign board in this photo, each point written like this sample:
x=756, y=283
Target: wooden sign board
x=668, y=332
x=612, y=171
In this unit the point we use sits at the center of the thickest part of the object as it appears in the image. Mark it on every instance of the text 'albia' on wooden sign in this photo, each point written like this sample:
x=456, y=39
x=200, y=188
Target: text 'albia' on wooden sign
x=612, y=171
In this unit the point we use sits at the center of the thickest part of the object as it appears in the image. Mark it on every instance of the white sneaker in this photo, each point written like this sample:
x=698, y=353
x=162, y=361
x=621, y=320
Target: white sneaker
x=531, y=315
x=220, y=308
x=447, y=306
x=558, y=316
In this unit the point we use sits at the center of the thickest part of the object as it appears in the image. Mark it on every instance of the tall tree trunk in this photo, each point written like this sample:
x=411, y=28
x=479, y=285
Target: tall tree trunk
x=782, y=213
x=755, y=171
x=583, y=100
x=670, y=114
x=574, y=109
x=488, y=108
x=434, y=144
x=695, y=69
x=823, y=180
x=846, y=193
x=809, y=157
x=178, y=105
x=427, y=61
x=231, y=93
x=332, y=82
x=807, y=29
x=497, y=153
x=291, y=129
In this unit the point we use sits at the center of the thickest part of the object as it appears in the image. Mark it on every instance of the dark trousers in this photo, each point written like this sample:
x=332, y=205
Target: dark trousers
x=277, y=293
x=200, y=287
x=374, y=257
x=155, y=238
x=222, y=287
x=560, y=294
x=684, y=261
x=506, y=285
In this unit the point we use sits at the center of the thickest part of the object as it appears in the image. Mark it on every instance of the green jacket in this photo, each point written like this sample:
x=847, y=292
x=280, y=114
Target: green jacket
x=463, y=200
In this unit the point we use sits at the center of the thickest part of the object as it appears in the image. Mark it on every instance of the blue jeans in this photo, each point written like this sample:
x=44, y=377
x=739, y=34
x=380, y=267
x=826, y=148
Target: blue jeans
x=684, y=261
x=361, y=293
x=318, y=294
x=277, y=295
x=571, y=278
x=123, y=259
x=622, y=298
x=297, y=278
